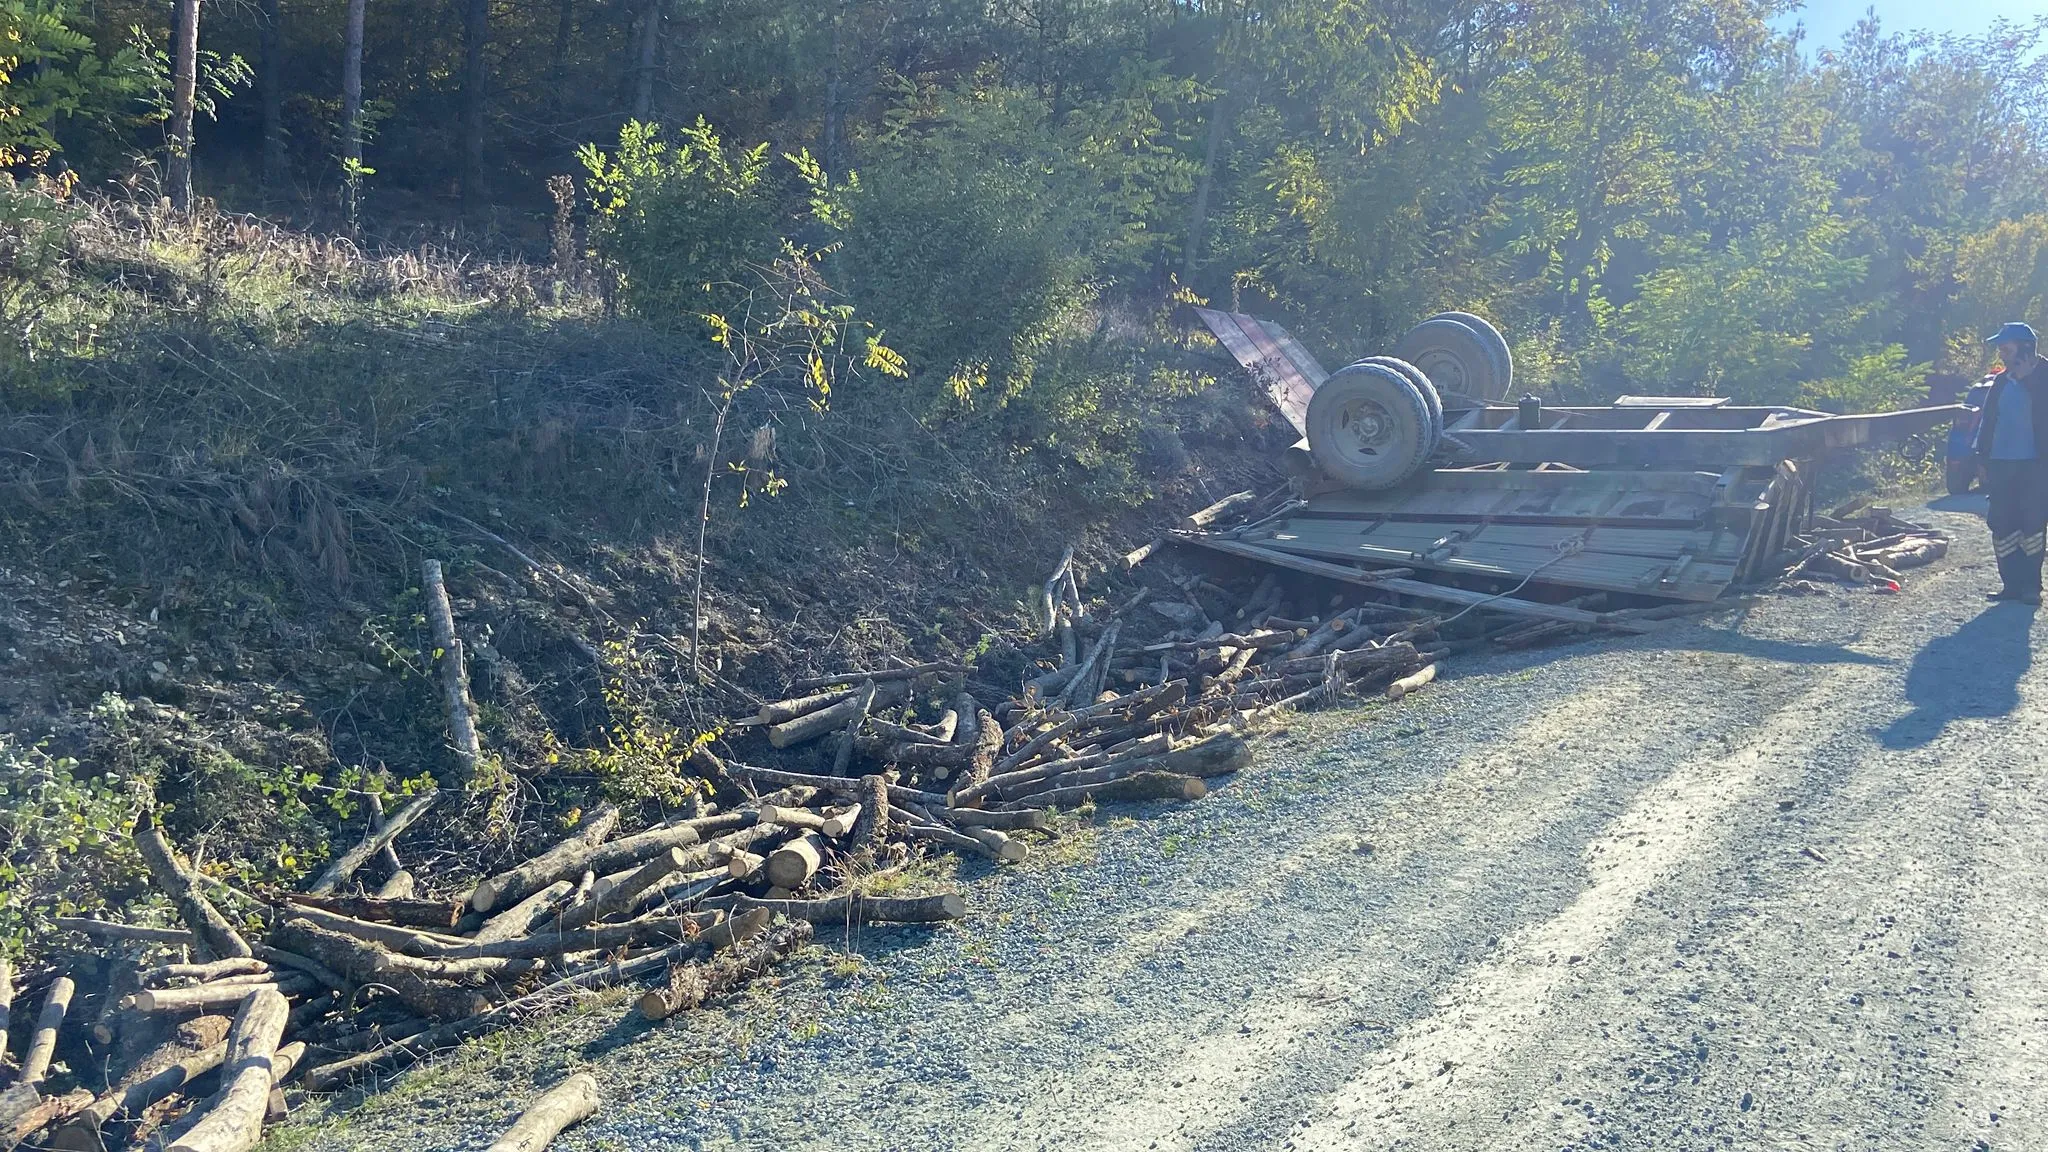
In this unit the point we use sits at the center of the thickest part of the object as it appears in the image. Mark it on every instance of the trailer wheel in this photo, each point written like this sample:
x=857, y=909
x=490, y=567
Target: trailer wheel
x=1455, y=357
x=1497, y=344
x=1422, y=385
x=1368, y=427
x=1960, y=474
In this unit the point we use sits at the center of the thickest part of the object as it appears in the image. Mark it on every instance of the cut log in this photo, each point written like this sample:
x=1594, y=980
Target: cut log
x=883, y=676
x=570, y=1102
x=6, y=1003
x=42, y=1043
x=387, y=856
x=783, y=711
x=945, y=726
x=437, y=915
x=691, y=986
x=915, y=754
x=743, y=864
x=137, y=933
x=40, y=1113
x=871, y=828
x=412, y=941
x=399, y=886
x=857, y=909
x=988, y=745
x=453, y=670
x=619, y=897
x=378, y=838
x=526, y=916
x=163, y=974
x=125, y=980
x=1411, y=682
x=838, y=785
x=278, y=958
x=1126, y=790
x=792, y=865
x=235, y=1121
x=564, y=861
x=602, y=938
x=193, y=1053
x=839, y=823
x=1000, y=846
x=171, y=878
x=1143, y=552
x=812, y=725
x=1197, y=521
x=366, y=963
x=216, y=995
x=1005, y=821
x=864, y=704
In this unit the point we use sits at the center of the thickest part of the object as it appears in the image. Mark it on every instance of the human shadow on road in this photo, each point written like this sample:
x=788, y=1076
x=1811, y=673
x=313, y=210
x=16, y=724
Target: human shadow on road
x=1973, y=671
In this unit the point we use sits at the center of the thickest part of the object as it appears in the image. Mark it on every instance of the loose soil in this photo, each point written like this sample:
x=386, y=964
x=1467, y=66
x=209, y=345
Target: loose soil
x=1774, y=879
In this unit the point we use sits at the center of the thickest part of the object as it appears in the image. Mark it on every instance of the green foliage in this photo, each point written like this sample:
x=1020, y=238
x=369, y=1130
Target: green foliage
x=683, y=223
x=64, y=843
x=49, y=74
x=1879, y=381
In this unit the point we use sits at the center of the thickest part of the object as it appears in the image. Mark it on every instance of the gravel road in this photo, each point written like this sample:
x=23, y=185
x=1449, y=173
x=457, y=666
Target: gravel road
x=1773, y=880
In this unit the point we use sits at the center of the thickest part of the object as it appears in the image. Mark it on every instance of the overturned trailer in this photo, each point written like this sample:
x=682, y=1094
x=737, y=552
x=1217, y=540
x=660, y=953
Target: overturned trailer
x=1411, y=461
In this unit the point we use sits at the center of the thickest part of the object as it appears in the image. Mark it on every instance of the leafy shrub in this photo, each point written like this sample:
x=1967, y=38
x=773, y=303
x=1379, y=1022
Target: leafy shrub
x=64, y=843
x=682, y=223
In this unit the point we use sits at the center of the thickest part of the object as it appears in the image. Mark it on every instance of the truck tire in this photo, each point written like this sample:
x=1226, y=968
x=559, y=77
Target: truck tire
x=1422, y=385
x=1369, y=427
x=1503, y=359
x=1455, y=357
x=1960, y=474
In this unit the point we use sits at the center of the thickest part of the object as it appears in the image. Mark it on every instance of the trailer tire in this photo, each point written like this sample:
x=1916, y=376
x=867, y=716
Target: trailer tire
x=1455, y=357
x=1369, y=427
x=1421, y=382
x=1960, y=475
x=1497, y=344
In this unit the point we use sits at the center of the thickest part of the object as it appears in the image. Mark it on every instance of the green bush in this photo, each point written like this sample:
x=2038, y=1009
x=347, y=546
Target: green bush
x=684, y=224
x=63, y=841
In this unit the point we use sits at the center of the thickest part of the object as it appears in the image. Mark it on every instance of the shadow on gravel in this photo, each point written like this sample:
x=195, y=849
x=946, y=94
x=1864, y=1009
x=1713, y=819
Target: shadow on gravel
x=1970, y=503
x=1973, y=671
x=1782, y=651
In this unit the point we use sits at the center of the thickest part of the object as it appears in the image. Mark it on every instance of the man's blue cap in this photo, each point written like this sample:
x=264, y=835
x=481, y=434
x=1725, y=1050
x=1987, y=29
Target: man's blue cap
x=2013, y=331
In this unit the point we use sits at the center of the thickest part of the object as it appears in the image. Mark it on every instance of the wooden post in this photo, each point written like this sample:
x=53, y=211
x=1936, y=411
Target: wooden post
x=570, y=1102
x=454, y=671
x=35, y=1063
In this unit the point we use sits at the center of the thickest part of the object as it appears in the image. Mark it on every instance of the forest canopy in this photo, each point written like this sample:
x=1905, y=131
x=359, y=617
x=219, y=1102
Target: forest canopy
x=1647, y=197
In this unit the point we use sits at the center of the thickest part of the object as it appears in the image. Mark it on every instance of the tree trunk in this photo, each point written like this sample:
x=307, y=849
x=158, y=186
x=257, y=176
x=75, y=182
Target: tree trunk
x=476, y=29
x=643, y=80
x=565, y=30
x=184, y=89
x=271, y=49
x=1198, y=216
x=352, y=111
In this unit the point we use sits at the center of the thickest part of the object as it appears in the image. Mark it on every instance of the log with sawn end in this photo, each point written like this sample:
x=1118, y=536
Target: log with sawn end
x=561, y=862
x=812, y=725
x=42, y=1043
x=234, y=1122
x=863, y=909
x=173, y=880
x=1124, y=790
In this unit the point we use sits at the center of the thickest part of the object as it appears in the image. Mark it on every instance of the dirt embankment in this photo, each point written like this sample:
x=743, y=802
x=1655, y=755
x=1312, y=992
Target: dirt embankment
x=1767, y=881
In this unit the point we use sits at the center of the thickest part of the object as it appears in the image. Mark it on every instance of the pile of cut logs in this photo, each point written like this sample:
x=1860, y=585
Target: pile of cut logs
x=198, y=1027
x=1872, y=548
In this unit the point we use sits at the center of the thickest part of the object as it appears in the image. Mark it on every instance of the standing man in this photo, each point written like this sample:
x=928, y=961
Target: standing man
x=2012, y=444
